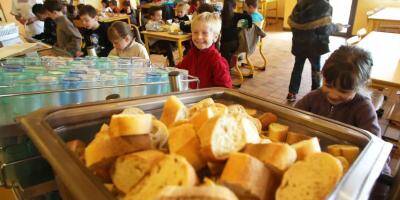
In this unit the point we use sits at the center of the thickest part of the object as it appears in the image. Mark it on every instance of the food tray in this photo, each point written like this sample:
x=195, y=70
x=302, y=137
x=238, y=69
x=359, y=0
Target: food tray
x=50, y=128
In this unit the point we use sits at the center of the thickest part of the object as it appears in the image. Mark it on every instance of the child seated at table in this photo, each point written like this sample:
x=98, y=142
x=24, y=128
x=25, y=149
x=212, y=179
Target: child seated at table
x=155, y=23
x=204, y=60
x=252, y=10
x=49, y=35
x=68, y=36
x=181, y=11
x=94, y=32
x=124, y=42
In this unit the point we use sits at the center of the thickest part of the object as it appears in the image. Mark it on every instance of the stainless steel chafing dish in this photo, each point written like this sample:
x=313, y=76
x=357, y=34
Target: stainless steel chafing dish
x=50, y=128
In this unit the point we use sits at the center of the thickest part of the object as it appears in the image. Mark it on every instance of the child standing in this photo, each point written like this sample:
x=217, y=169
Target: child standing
x=204, y=60
x=124, y=42
x=252, y=9
x=154, y=24
x=68, y=36
x=230, y=31
x=311, y=25
x=94, y=32
x=48, y=36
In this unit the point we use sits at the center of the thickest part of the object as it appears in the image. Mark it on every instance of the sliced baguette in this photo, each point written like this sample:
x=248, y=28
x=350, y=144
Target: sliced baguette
x=201, y=116
x=172, y=170
x=247, y=177
x=216, y=192
x=311, y=179
x=132, y=111
x=102, y=151
x=306, y=147
x=220, y=136
x=349, y=152
x=293, y=137
x=159, y=135
x=266, y=119
x=280, y=156
x=129, y=169
x=200, y=105
x=277, y=132
x=127, y=124
x=173, y=111
x=345, y=163
x=184, y=141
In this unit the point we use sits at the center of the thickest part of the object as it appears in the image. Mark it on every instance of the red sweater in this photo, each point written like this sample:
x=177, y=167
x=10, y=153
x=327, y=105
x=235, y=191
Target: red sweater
x=209, y=66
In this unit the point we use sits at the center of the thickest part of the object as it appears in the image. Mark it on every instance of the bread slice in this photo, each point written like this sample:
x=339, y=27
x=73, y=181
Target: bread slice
x=277, y=132
x=293, y=137
x=201, y=116
x=127, y=124
x=159, y=136
x=132, y=111
x=239, y=111
x=251, y=111
x=222, y=135
x=267, y=119
x=171, y=170
x=345, y=163
x=247, y=177
x=200, y=105
x=350, y=152
x=78, y=148
x=102, y=151
x=280, y=156
x=216, y=192
x=129, y=169
x=306, y=148
x=311, y=179
x=173, y=111
x=184, y=141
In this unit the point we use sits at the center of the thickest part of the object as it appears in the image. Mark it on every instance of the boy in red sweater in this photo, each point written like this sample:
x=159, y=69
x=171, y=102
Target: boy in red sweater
x=204, y=60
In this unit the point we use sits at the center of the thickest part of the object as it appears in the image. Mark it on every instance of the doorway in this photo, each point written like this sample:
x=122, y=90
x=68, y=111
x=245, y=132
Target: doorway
x=344, y=12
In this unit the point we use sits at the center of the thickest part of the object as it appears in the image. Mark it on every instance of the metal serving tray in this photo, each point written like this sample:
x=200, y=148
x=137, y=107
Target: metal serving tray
x=50, y=128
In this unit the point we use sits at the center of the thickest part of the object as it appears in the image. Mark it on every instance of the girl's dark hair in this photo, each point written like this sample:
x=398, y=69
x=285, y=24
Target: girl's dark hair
x=126, y=3
x=227, y=12
x=118, y=30
x=348, y=68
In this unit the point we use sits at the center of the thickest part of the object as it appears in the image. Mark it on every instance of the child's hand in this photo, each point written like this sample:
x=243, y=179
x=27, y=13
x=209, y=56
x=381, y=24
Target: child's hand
x=78, y=54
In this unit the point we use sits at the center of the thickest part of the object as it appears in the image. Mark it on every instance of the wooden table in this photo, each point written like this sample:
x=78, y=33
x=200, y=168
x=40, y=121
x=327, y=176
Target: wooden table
x=166, y=36
x=385, y=51
x=389, y=14
x=119, y=17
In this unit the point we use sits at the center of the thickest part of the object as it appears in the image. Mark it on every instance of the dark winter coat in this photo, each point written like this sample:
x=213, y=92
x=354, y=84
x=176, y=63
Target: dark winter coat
x=311, y=24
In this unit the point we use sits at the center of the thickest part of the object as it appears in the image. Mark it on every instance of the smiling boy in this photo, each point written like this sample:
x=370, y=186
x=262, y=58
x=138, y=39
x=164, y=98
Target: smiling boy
x=204, y=60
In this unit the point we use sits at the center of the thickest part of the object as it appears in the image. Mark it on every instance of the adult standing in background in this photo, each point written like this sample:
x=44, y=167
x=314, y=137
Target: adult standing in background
x=22, y=10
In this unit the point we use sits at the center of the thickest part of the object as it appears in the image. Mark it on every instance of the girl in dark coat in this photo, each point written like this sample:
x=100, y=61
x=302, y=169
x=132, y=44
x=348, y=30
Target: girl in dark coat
x=311, y=25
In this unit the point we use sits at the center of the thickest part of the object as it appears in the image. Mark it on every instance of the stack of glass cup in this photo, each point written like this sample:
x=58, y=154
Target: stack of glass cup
x=29, y=83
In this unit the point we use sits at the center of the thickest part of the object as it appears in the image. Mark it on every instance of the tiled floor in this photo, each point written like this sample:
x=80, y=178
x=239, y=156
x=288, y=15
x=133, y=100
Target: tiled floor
x=274, y=81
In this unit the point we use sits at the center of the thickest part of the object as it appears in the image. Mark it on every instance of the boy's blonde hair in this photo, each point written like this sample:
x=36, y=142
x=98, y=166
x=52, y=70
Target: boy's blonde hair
x=211, y=19
x=182, y=7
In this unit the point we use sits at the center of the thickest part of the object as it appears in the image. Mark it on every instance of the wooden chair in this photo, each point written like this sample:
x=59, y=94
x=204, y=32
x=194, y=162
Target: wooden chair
x=247, y=70
x=268, y=7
